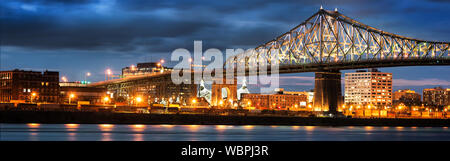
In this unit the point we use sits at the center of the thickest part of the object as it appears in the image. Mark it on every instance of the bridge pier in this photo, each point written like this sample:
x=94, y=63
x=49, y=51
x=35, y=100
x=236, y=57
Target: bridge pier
x=327, y=91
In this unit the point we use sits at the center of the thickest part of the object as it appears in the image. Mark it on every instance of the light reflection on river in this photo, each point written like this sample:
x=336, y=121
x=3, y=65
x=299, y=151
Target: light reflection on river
x=138, y=132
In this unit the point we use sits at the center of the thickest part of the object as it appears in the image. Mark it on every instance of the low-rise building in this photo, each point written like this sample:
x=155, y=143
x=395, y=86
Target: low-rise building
x=437, y=96
x=274, y=101
x=407, y=97
x=75, y=91
x=29, y=86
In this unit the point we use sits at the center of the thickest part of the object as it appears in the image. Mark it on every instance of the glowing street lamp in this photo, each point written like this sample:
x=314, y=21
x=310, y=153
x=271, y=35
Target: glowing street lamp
x=138, y=100
x=64, y=79
x=220, y=103
x=32, y=96
x=108, y=74
x=194, y=101
x=86, y=75
x=105, y=100
x=70, y=97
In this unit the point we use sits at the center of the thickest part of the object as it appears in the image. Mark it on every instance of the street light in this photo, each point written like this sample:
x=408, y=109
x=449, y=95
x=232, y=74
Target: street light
x=70, y=97
x=108, y=73
x=105, y=100
x=64, y=79
x=194, y=101
x=86, y=75
x=138, y=100
x=32, y=96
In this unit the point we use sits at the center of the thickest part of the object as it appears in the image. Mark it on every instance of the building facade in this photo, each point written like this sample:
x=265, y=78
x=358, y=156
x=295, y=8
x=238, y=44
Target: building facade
x=157, y=88
x=274, y=101
x=81, y=92
x=407, y=97
x=368, y=87
x=436, y=96
x=29, y=86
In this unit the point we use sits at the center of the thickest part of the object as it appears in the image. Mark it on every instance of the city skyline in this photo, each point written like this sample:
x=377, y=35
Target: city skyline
x=115, y=49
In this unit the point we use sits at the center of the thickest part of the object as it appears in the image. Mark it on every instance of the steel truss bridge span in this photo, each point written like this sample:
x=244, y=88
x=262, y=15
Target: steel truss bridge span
x=331, y=40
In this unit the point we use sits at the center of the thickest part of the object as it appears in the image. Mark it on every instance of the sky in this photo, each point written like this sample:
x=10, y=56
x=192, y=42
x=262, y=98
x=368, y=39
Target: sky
x=79, y=36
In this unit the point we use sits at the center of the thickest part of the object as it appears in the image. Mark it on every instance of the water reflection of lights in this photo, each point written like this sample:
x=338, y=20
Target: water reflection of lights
x=193, y=127
x=248, y=127
x=167, y=126
x=221, y=127
x=71, y=125
x=106, y=137
x=273, y=126
x=33, y=125
x=106, y=127
x=137, y=127
x=138, y=137
x=309, y=128
x=399, y=127
x=368, y=127
x=295, y=127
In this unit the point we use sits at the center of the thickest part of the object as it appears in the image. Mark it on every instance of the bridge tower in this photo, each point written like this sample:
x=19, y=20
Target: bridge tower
x=327, y=91
x=217, y=97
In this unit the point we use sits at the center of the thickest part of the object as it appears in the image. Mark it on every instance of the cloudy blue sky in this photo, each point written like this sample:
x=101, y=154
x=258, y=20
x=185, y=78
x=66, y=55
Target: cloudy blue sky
x=79, y=36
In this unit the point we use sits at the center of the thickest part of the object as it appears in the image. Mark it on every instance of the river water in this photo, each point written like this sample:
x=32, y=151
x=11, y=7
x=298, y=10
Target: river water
x=112, y=132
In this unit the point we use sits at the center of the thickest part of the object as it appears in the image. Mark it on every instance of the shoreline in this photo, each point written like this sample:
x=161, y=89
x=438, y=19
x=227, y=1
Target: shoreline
x=60, y=117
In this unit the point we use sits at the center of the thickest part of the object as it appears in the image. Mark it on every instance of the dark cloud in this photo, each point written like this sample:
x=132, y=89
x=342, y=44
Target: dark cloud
x=162, y=25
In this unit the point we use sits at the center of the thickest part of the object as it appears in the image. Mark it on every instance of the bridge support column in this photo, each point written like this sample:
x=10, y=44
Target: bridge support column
x=327, y=91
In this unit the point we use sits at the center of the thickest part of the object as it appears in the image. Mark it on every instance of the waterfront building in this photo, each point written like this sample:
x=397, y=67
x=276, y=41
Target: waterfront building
x=149, y=89
x=407, y=97
x=144, y=68
x=368, y=87
x=273, y=101
x=309, y=95
x=29, y=86
x=437, y=96
x=77, y=91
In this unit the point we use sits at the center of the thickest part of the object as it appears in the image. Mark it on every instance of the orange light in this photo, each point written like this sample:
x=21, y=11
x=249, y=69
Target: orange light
x=194, y=101
x=106, y=125
x=106, y=99
x=72, y=95
x=33, y=94
x=72, y=125
x=33, y=125
x=64, y=79
x=108, y=71
x=248, y=127
x=138, y=127
x=161, y=61
x=138, y=99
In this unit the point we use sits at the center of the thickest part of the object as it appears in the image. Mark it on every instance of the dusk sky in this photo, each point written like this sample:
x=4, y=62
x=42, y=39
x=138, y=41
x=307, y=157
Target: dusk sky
x=79, y=36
